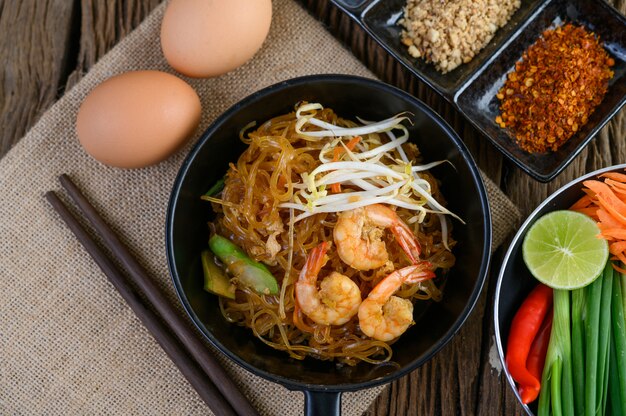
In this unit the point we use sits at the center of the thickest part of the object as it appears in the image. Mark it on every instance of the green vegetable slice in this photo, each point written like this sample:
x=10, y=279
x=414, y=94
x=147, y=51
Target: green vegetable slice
x=215, y=279
x=249, y=272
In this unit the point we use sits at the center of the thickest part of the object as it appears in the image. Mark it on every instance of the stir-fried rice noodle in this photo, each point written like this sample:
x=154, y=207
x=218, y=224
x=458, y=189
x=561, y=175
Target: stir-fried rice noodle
x=263, y=209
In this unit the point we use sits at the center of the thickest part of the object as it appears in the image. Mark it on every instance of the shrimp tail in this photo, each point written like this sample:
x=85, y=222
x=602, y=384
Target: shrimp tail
x=419, y=272
x=315, y=261
x=405, y=238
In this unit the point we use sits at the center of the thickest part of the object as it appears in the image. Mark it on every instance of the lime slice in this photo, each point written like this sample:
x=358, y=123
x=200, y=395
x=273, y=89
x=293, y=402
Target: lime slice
x=562, y=250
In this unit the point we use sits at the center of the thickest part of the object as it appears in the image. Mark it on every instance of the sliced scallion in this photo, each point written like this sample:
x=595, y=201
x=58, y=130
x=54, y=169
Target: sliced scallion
x=618, y=359
x=578, y=349
x=557, y=395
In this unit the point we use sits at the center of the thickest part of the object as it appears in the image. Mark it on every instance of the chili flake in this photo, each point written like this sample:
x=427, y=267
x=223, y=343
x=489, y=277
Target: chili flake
x=555, y=87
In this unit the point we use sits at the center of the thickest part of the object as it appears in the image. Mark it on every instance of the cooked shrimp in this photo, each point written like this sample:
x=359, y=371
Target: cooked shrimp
x=383, y=316
x=338, y=298
x=358, y=235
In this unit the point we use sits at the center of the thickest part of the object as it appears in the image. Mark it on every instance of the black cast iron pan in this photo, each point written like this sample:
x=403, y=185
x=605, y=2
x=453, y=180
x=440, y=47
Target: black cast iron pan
x=436, y=323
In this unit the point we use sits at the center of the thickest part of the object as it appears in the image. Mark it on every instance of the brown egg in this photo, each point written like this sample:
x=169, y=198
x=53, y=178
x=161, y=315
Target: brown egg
x=137, y=118
x=206, y=38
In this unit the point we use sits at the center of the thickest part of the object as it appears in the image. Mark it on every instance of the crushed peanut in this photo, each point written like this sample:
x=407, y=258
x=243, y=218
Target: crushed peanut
x=449, y=33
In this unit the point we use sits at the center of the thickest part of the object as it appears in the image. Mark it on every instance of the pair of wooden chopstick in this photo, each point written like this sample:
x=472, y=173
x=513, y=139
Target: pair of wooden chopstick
x=193, y=359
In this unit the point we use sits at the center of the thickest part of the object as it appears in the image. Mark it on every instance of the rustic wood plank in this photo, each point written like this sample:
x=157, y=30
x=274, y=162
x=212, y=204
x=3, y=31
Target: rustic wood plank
x=36, y=49
x=46, y=46
x=102, y=25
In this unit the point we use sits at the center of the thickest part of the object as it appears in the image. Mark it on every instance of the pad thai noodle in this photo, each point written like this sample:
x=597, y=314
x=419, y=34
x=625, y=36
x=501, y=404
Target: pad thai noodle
x=327, y=232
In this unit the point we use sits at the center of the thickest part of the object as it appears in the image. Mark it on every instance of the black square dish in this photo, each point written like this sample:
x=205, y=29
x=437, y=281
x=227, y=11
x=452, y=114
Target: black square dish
x=380, y=18
x=478, y=103
x=472, y=87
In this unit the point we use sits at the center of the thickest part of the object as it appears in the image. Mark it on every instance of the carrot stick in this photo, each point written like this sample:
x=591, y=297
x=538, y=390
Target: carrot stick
x=605, y=201
x=582, y=203
x=615, y=176
x=620, y=256
x=619, y=269
x=591, y=194
x=617, y=247
x=614, y=233
x=607, y=219
x=615, y=184
x=588, y=211
x=608, y=200
x=618, y=188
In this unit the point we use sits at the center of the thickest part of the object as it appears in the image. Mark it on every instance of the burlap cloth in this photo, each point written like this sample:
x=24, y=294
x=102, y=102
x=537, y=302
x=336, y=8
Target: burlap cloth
x=68, y=342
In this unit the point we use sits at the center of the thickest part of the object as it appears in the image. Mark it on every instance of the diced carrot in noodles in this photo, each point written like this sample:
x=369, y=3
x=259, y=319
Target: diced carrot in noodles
x=337, y=152
x=281, y=182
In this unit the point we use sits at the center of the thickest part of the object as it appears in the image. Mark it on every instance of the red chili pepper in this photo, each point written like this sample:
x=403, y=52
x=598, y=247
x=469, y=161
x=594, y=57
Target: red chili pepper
x=537, y=358
x=524, y=329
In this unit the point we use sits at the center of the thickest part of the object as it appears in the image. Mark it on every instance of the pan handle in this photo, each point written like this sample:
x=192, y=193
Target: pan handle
x=322, y=403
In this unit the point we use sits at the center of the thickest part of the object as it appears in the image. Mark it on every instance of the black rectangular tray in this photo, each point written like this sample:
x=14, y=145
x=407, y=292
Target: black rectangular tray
x=472, y=87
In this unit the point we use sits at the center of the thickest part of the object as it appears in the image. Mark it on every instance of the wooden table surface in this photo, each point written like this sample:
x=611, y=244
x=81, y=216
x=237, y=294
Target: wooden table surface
x=47, y=45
